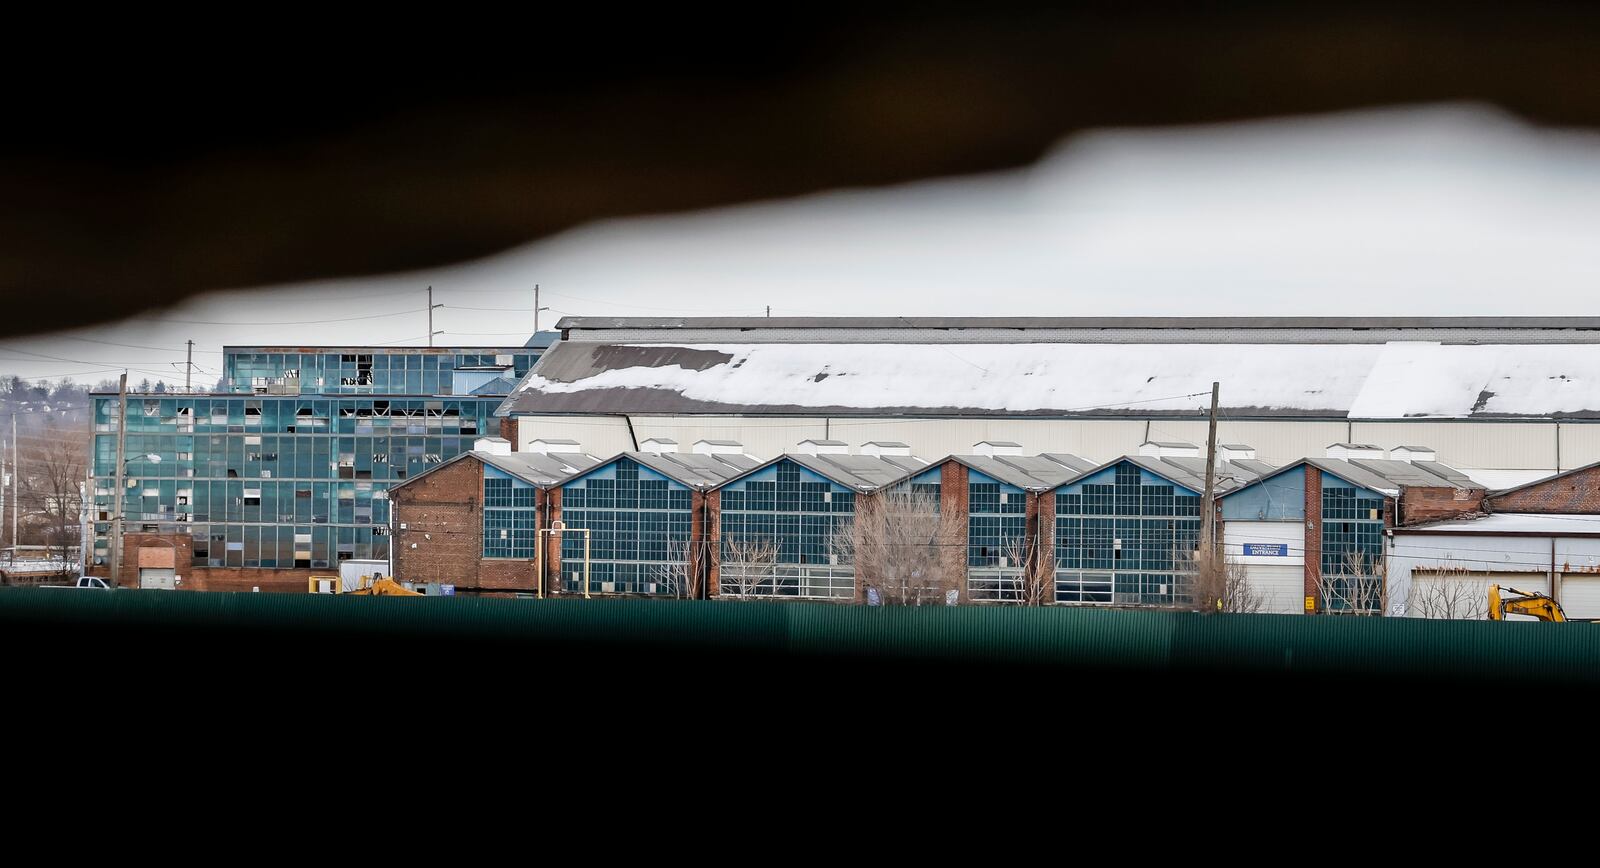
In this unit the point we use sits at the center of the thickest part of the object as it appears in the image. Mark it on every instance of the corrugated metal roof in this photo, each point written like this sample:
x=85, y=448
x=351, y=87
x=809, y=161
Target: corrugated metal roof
x=860, y=472
x=541, y=469
x=1101, y=322
x=691, y=469
x=1387, y=477
x=1409, y=381
x=1512, y=523
x=1033, y=473
x=536, y=468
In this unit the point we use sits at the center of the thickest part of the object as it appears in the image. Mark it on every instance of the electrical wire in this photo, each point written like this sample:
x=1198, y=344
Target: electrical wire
x=283, y=322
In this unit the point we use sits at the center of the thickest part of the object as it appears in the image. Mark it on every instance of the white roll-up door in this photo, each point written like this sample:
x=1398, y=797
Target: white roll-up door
x=1580, y=595
x=1454, y=595
x=1281, y=586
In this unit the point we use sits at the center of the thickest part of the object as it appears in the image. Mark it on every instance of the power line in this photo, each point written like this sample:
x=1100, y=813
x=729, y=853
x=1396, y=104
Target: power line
x=137, y=346
x=284, y=322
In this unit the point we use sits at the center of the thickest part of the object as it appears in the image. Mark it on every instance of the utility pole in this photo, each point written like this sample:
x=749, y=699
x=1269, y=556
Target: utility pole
x=769, y=311
x=1208, y=503
x=431, y=306
x=16, y=473
x=536, y=308
x=85, y=526
x=188, y=367
x=116, y=497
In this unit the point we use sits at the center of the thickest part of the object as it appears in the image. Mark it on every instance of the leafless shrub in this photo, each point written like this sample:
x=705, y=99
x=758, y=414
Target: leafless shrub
x=1212, y=583
x=1449, y=593
x=1024, y=579
x=679, y=576
x=1357, y=588
x=749, y=567
x=894, y=544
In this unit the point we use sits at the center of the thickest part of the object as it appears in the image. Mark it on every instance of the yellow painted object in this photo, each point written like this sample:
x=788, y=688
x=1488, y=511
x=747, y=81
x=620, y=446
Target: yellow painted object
x=334, y=584
x=386, y=587
x=1538, y=605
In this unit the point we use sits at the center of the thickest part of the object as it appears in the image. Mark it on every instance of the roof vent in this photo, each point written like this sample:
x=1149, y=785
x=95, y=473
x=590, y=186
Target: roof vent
x=1355, y=450
x=991, y=448
x=1236, y=452
x=493, y=445
x=718, y=447
x=823, y=447
x=885, y=447
x=659, y=445
x=1170, y=449
x=548, y=446
x=1409, y=454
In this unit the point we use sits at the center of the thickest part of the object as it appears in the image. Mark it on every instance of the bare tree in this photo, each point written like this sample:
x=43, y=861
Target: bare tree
x=675, y=575
x=1357, y=588
x=894, y=544
x=749, y=567
x=1021, y=578
x=51, y=476
x=1212, y=583
x=1450, y=593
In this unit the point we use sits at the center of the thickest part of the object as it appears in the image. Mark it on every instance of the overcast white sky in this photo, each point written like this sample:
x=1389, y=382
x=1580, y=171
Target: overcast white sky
x=1436, y=210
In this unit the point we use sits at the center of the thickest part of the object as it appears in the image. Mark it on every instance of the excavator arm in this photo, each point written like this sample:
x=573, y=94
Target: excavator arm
x=1537, y=605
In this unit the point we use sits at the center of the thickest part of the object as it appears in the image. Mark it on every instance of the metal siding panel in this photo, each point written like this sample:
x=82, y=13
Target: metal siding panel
x=1281, y=586
x=1580, y=595
x=1468, y=445
x=601, y=436
x=1236, y=534
x=1580, y=444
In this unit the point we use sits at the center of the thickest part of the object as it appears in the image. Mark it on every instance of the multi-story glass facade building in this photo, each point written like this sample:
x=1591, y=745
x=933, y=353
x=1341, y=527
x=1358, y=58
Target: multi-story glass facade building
x=288, y=467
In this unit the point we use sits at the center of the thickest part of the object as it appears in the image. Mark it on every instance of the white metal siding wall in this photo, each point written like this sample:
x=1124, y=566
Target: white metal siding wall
x=1580, y=595
x=1527, y=447
x=1281, y=580
x=1580, y=444
x=1472, y=552
x=603, y=436
x=1499, y=445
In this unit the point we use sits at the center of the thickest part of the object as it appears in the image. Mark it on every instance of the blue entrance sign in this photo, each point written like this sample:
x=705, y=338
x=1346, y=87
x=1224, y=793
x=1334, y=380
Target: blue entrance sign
x=1266, y=550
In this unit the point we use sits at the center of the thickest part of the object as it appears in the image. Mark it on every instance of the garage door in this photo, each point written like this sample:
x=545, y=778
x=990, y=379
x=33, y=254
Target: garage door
x=1455, y=595
x=1281, y=586
x=157, y=578
x=1580, y=595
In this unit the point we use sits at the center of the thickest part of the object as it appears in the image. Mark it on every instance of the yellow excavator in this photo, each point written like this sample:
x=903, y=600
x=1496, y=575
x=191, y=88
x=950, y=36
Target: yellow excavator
x=380, y=587
x=1540, y=606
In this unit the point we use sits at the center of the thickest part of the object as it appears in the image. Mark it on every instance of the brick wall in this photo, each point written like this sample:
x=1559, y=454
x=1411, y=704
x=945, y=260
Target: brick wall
x=442, y=538
x=1575, y=492
x=508, y=430
x=953, y=498
x=1043, y=507
x=1433, y=502
x=181, y=546
x=1313, y=530
x=714, y=534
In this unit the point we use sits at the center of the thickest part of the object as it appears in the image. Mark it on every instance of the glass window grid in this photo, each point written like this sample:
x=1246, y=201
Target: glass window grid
x=312, y=461
x=1352, y=529
x=639, y=529
x=363, y=371
x=800, y=515
x=1156, y=523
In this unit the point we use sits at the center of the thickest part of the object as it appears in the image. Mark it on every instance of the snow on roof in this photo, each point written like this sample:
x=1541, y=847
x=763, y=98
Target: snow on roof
x=1513, y=522
x=1365, y=381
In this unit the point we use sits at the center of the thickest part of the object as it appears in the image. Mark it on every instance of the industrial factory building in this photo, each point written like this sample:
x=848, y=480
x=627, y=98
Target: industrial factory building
x=283, y=471
x=1504, y=400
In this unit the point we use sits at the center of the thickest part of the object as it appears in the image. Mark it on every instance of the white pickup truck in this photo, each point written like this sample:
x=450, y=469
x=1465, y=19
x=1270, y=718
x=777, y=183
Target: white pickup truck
x=85, y=582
